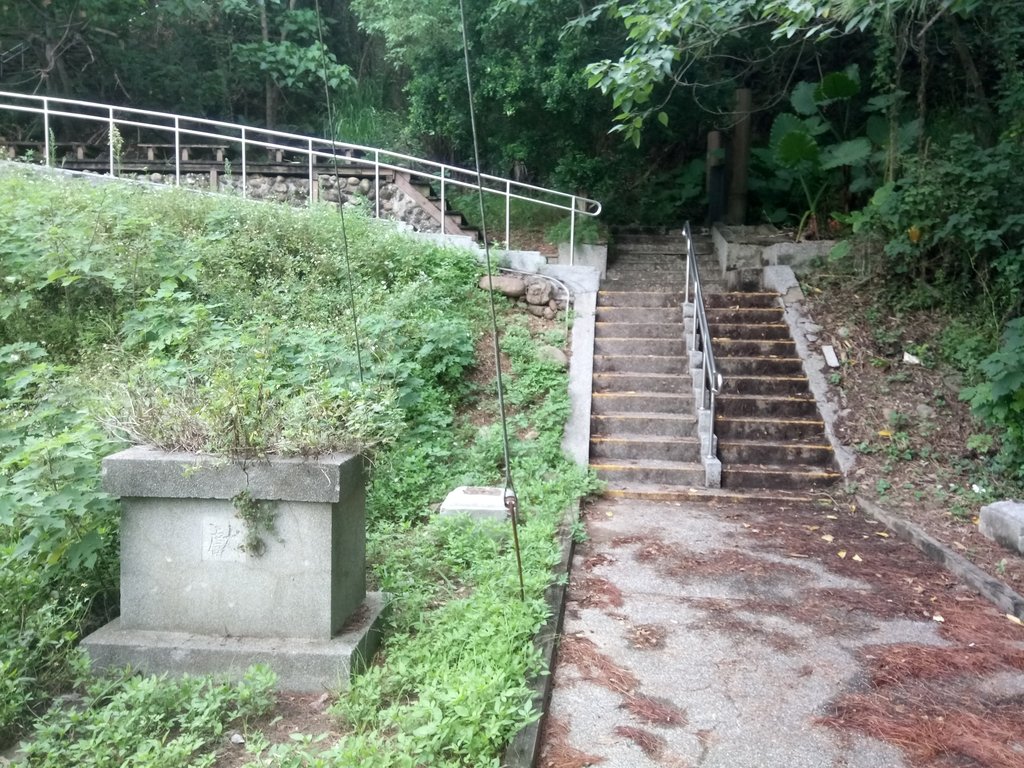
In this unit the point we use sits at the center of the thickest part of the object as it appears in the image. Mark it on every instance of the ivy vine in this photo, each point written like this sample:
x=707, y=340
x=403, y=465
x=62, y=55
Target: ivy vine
x=259, y=518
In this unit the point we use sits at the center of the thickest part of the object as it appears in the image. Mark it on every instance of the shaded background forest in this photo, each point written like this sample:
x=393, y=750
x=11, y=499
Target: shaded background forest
x=897, y=126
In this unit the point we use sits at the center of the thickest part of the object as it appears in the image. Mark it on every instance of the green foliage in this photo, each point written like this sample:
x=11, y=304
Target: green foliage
x=193, y=321
x=999, y=398
x=949, y=236
x=150, y=722
x=459, y=650
x=585, y=229
x=260, y=519
x=58, y=544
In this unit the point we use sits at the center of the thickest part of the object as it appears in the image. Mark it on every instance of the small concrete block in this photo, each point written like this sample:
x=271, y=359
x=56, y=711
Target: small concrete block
x=1003, y=522
x=830, y=356
x=712, y=473
x=479, y=502
x=300, y=665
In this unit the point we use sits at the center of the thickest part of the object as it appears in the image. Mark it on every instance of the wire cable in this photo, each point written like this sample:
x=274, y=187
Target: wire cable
x=337, y=188
x=511, y=501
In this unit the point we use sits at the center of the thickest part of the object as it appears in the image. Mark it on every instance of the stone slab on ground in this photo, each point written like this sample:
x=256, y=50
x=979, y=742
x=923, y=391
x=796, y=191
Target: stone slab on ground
x=1003, y=522
x=477, y=502
x=300, y=665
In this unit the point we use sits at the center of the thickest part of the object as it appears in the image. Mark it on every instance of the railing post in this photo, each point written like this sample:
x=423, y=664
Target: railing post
x=698, y=298
x=110, y=138
x=244, y=169
x=508, y=215
x=46, y=130
x=376, y=185
x=689, y=256
x=177, y=152
x=711, y=436
x=572, y=233
x=444, y=212
x=310, y=200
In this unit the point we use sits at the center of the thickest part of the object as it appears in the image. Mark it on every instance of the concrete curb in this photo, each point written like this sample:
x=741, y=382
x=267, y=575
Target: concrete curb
x=991, y=589
x=523, y=750
x=783, y=280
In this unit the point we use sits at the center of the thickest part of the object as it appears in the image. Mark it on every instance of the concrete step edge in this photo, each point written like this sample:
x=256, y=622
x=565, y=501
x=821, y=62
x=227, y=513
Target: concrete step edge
x=713, y=495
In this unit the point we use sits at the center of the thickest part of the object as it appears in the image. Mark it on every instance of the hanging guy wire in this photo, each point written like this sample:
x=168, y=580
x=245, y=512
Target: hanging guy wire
x=509, y=492
x=337, y=188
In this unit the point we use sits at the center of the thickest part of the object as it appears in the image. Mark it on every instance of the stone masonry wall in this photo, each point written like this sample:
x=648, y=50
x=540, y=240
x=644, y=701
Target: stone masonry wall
x=394, y=204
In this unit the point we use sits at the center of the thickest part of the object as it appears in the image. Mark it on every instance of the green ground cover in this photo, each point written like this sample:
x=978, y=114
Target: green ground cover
x=222, y=325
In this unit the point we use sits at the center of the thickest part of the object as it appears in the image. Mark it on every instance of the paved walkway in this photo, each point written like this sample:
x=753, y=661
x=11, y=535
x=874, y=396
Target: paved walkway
x=723, y=636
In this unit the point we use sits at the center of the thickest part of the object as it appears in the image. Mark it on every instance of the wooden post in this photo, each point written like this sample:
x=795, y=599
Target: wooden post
x=715, y=178
x=740, y=159
x=214, y=182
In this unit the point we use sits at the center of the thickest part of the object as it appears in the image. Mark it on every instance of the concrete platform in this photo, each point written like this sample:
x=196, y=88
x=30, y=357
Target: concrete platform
x=727, y=636
x=301, y=665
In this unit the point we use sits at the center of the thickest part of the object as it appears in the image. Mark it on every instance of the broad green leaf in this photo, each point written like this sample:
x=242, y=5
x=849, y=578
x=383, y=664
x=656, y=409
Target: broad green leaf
x=840, y=251
x=851, y=152
x=835, y=86
x=785, y=124
x=803, y=100
x=797, y=148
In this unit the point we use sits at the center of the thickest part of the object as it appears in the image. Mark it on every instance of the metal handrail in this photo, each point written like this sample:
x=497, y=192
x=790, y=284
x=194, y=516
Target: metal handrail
x=711, y=379
x=309, y=147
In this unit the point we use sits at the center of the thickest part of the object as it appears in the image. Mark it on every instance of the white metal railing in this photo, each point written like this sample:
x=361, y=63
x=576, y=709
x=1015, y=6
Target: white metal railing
x=59, y=113
x=711, y=380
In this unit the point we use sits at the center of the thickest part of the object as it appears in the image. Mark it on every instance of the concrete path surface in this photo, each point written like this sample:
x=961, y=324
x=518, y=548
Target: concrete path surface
x=732, y=636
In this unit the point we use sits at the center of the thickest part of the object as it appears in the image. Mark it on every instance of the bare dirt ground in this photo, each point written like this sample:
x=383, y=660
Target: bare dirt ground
x=907, y=424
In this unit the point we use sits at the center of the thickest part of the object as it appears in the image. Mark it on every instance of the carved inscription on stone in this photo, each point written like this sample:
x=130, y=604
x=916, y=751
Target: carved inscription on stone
x=223, y=539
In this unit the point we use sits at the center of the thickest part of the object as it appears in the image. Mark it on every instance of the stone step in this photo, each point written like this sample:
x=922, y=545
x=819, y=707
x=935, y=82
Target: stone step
x=640, y=364
x=630, y=259
x=640, y=346
x=773, y=476
x=774, y=499
x=723, y=348
x=641, y=448
x=608, y=403
x=767, y=406
x=766, y=385
x=648, y=424
x=646, y=284
x=743, y=316
x=639, y=330
x=749, y=330
x=672, y=314
x=744, y=300
x=677, y=473
x=639, y=299
x=642, y=382
x=738, y=452
x=769, y=429
x=758, y=366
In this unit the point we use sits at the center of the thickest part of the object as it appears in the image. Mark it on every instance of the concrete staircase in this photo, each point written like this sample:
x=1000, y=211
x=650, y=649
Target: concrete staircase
x=770, y=434
x=426, y=198
x=643, y=424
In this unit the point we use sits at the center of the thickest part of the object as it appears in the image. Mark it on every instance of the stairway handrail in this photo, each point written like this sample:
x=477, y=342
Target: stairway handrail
x=711, y=379
x=309, y=146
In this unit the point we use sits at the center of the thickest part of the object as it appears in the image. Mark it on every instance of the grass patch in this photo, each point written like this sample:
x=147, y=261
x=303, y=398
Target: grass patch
x=189, y=322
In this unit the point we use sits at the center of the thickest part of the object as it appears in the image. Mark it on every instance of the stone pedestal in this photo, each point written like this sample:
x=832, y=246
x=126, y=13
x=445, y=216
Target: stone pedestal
x=195, y=598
